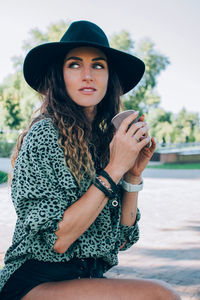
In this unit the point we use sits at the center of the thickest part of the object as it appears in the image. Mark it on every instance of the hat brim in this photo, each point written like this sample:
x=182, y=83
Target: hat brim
x=129, y=68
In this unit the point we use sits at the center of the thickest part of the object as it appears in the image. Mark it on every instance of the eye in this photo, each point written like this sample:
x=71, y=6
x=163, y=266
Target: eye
x=98, y=66
x=73, y=65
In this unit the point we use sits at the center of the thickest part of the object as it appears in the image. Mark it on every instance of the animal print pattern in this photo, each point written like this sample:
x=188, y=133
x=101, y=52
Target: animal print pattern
x=42, y=189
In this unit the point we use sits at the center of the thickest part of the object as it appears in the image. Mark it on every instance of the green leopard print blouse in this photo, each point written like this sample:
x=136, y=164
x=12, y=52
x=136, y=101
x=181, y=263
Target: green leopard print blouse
x=42, y=189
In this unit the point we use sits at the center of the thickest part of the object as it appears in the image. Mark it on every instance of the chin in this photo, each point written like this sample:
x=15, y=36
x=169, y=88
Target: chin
x=88, y=103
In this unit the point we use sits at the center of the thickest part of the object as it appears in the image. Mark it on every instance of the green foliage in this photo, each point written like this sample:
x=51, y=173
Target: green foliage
x=144, y=96
x=10, y=99
x=154, y=62
x=6, y=148
x=122, y=41
x=171, y=128
x=3, y=177
x=17, y=100
x=53, y=33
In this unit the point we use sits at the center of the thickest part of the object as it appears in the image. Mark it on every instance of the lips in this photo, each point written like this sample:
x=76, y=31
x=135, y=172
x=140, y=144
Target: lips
x=87, y=89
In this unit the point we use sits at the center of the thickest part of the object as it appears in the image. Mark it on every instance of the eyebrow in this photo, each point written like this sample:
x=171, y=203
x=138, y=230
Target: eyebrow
x=78, y=58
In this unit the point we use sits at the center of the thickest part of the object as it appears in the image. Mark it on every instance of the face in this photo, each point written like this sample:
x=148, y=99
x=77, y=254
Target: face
x=85, y=74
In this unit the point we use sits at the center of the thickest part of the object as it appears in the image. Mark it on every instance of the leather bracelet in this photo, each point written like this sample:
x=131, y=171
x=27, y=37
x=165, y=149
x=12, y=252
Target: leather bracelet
x=113, y=185
x=108, y=192
x=128, y=187
x=104, y=184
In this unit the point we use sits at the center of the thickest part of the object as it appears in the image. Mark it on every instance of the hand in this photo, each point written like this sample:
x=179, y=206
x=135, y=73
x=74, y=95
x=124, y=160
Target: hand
x=143, y=158
x=125, y=148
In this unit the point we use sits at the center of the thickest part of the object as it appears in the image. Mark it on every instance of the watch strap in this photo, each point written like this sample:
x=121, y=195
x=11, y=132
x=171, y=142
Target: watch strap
x=129, y=187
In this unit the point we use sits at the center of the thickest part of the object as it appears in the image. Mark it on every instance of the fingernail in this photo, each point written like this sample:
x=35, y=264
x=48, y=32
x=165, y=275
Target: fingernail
x=138, y=124
x=136, y=112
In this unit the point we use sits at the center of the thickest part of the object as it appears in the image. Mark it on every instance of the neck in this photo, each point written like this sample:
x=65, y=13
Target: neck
x=90, y=113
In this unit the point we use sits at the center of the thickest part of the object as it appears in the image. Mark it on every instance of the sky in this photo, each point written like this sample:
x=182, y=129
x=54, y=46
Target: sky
x=173, y=25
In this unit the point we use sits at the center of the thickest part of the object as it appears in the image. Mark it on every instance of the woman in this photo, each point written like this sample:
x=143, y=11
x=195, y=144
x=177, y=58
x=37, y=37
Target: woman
x=75, y=182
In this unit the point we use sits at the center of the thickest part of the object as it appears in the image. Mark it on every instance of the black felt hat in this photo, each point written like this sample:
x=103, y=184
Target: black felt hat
x=129, y=68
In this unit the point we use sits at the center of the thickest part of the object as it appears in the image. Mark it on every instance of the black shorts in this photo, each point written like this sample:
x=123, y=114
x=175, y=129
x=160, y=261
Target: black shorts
x=33, y=273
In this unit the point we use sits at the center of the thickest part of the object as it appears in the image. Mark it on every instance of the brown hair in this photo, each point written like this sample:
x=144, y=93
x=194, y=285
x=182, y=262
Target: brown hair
x=85, y=145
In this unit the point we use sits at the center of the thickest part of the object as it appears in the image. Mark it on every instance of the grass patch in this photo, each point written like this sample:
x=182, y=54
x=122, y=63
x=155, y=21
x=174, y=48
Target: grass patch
x=186, y=166
x=3, y=177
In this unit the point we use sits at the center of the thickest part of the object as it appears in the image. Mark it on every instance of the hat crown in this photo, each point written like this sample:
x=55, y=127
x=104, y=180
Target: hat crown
x=82, y=31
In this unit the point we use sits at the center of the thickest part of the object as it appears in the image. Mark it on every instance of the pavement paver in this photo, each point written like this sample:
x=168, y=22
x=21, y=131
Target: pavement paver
x=169, y=245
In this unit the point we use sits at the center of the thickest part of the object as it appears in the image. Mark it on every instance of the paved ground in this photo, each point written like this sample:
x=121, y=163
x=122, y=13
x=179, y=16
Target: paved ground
x=169, y=247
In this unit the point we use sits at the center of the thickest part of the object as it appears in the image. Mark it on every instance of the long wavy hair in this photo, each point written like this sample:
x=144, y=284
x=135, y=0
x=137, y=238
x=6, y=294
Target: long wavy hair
x=85, y=144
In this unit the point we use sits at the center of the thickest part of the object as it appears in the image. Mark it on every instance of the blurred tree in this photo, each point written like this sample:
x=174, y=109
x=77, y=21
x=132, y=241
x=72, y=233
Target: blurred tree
x=186, y=127
x=160, y=123
x=53, y=33
x=122, y=41
x=144, y=95
x=174, y=128
x=10, y=99
x=17, y=99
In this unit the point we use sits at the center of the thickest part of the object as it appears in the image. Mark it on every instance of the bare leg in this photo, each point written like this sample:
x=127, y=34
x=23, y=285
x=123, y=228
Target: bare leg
x=102, y=289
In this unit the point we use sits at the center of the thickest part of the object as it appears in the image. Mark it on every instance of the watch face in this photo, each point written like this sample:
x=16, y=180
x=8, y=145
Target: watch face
x=117, y=120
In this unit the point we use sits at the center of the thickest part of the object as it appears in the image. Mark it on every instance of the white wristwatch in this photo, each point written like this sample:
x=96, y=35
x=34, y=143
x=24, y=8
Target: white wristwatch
x=131, y=187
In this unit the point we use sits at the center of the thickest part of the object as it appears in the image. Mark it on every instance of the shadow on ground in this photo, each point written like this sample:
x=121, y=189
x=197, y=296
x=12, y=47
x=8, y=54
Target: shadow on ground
x=195, y=226
x=173, y=274
x=172, y=254
x=185, y=280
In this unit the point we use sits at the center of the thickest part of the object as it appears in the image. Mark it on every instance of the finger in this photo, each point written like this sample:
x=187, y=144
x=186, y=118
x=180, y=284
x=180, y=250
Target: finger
x=151, y=146
x=153, y=143
x=142, y=132
x=126, y=122
x=135, y=127
x=144, y=142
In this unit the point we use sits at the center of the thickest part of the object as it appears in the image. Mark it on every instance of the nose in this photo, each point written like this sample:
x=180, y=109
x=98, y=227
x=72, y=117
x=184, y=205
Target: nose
x=87, y=74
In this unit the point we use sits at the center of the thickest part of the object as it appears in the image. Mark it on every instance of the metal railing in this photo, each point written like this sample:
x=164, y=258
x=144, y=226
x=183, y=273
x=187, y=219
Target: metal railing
x=178, y=147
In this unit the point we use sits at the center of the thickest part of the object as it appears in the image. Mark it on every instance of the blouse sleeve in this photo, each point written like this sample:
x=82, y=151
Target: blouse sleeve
x=129, y=234
x=42, y=186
